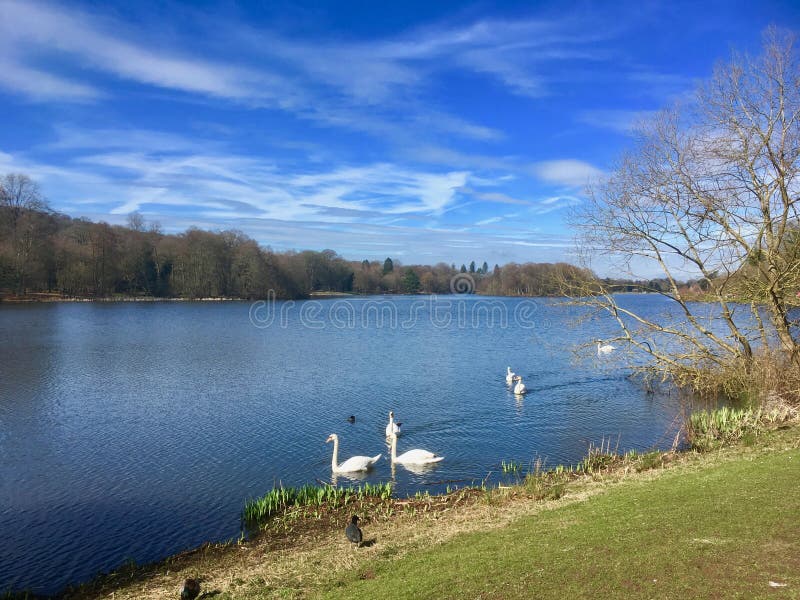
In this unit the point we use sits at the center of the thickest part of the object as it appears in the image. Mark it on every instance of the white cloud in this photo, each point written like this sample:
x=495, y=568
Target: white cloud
x=565, y=244
x=73, y=138
x=567, y=172
x=38, y=30
x=439, y=121
x=511, y=52
x=324, y=82
x=327, y=81
x=137, y=180
x=555, y=203
x=495, y=197
x=39, y=85
x=620, y=121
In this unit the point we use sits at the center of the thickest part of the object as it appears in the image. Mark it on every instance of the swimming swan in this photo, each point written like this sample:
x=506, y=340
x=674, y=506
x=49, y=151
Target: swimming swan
x=355, y=463
x=413, y=457
x=510, y=376
x=605, y=348
x=392, y=427
x=520, y=387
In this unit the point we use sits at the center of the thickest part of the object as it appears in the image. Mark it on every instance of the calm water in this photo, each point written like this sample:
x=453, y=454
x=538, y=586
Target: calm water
x=133, y=431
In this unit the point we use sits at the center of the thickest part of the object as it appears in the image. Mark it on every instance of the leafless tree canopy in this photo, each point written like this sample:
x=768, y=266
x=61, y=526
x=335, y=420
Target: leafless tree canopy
x=711, y=188
x=19, y=192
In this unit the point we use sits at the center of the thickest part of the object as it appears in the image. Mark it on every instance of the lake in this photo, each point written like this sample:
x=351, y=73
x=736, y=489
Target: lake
x=136, y=430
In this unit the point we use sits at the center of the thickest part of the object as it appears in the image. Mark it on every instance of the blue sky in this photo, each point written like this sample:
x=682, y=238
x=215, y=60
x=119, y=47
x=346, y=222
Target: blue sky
x=428, y=132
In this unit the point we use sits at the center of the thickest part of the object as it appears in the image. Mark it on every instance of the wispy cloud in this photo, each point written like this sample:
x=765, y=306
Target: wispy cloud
x=172, y=175
x=319, y=81
x=567, y=172
x=620, y=121
x=555, y=203
x=40, y=85
x=326, y=81
x=497, y=197
x=511, y=52
x=38, y=29
x=73, y=138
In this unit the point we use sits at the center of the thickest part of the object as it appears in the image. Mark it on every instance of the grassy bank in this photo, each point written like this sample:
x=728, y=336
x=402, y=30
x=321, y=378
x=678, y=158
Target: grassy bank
x=723, y=531
x=722, y=523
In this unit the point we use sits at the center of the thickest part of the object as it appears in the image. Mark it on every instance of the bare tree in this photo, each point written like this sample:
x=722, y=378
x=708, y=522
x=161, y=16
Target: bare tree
x=136, y=221
x=20, y=199
x=711, y=189
x=19, y=193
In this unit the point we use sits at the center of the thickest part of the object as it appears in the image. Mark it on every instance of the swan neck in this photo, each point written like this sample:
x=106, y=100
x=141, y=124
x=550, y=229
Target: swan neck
x=334, y=458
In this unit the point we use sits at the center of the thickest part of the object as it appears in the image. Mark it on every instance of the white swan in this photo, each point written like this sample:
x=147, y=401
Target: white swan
x=413, y=457
x=510, y=376
x=355, y=463
x=605, y=348
x=520, y=387
x=392, y=427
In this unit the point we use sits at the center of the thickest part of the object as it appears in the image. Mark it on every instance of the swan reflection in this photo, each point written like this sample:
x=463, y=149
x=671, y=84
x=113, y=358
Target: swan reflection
x=352, y=477
x=416, y=469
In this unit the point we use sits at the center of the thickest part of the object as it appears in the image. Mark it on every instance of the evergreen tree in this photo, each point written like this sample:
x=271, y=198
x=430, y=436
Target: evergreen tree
x=463, y=268
x=388, y=266
x=472, y=267
x=410, y=282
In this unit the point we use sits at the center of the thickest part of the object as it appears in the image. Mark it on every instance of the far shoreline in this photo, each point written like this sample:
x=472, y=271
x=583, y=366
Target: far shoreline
x=111, y=299
x=45, y=298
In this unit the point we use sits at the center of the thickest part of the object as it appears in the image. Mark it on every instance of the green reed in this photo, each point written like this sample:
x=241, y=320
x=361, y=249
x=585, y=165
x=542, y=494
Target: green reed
x=707, y=429
x=279, y=499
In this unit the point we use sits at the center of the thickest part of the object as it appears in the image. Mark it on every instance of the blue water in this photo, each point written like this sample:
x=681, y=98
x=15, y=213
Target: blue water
x=136, y=430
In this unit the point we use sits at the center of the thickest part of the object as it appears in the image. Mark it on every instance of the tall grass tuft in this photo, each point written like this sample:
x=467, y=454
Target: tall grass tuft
x=599, y=458
x=753, y=382
x=259, y=510
x=547, y=485
x=708, y=429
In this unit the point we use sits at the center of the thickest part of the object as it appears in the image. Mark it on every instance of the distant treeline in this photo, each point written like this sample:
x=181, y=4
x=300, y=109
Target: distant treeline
x=42, y=251
x=658, y=285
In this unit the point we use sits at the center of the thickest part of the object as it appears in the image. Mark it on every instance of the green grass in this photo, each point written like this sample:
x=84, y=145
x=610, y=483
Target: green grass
x=724, y=531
